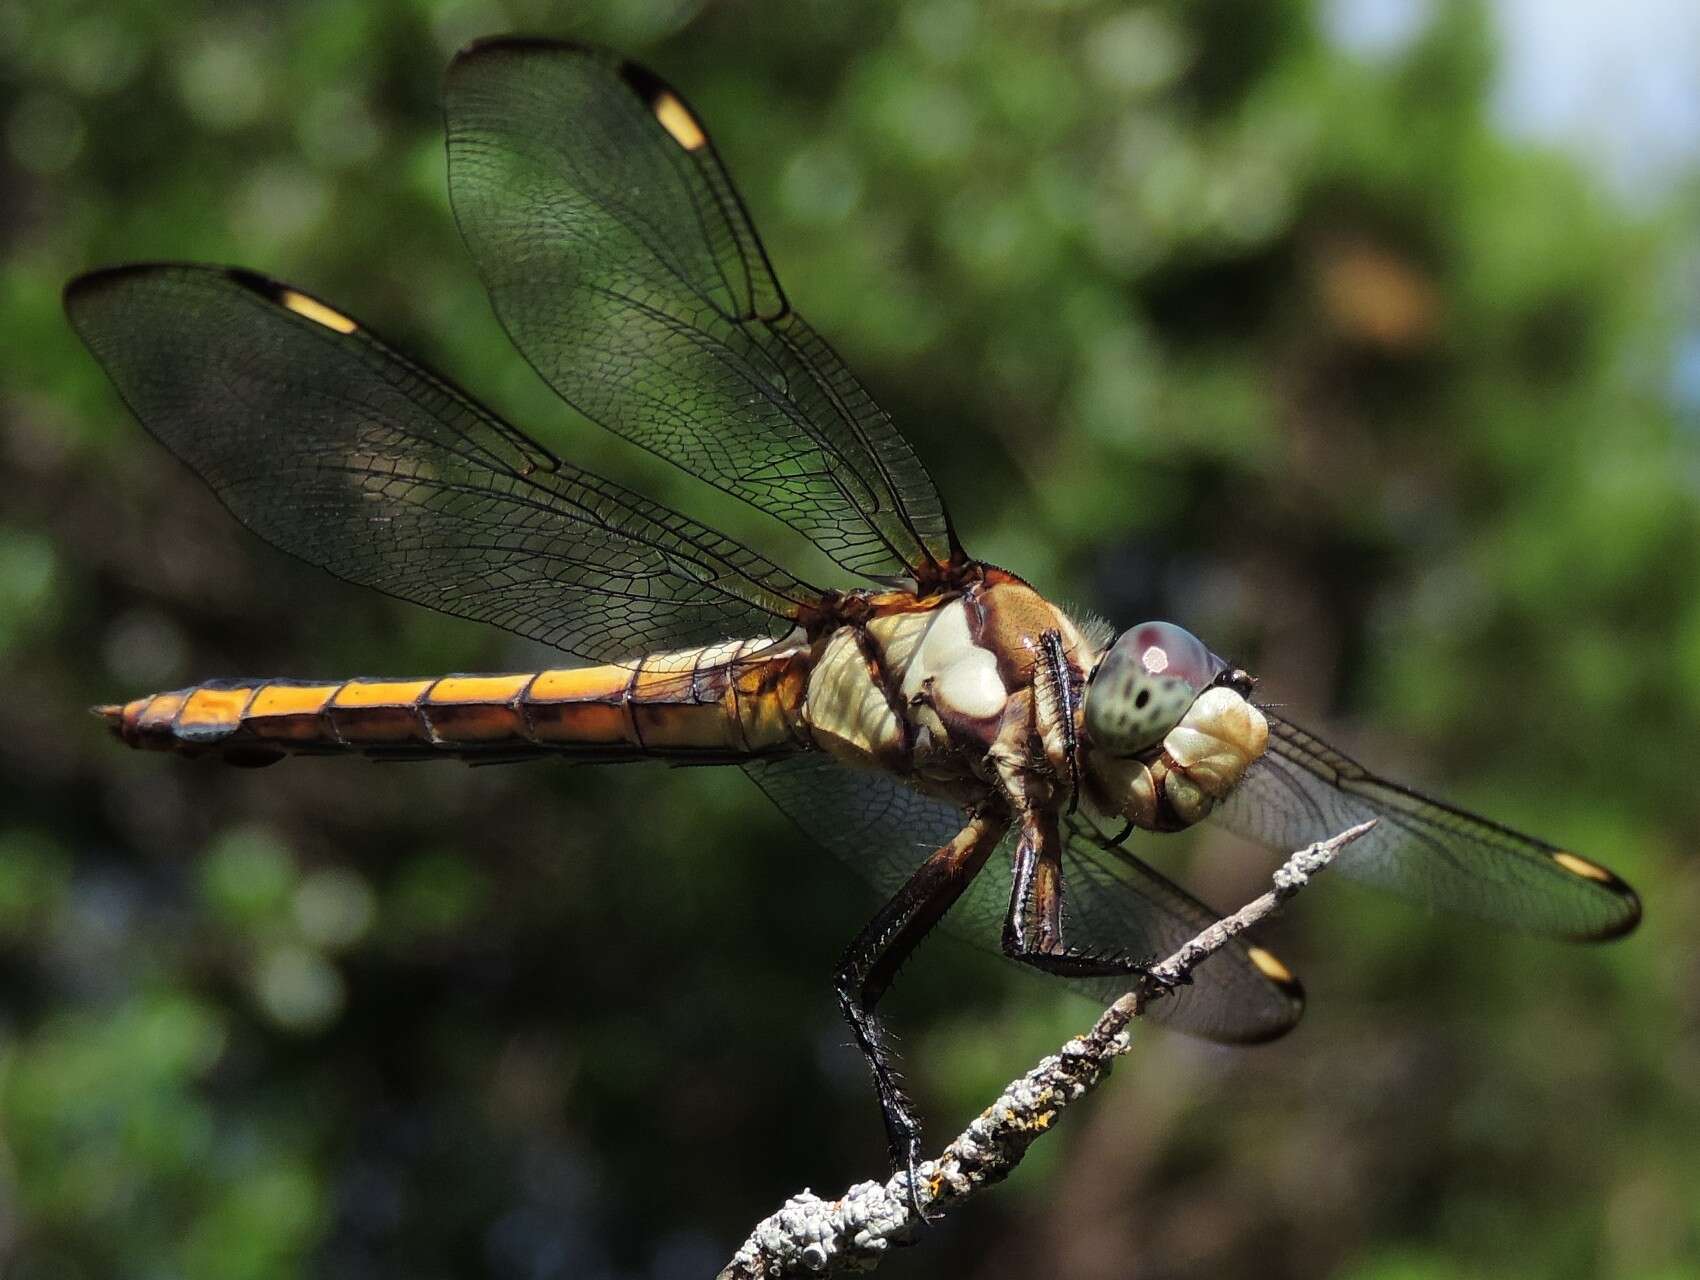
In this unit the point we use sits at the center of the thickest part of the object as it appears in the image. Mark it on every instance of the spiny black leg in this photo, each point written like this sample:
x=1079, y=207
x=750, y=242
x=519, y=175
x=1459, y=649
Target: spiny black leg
x=1033, y=931
x=1058, y=679
x=873, y=959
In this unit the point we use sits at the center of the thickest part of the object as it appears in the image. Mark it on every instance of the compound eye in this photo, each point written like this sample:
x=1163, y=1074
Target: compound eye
x=1145, y=684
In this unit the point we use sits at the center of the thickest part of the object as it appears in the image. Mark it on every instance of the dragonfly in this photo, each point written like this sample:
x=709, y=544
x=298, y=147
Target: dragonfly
x=980, y=755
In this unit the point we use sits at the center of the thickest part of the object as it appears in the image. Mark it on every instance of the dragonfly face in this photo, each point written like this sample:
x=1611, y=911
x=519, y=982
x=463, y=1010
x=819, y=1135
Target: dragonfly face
x=1144, y=684
x=1168, y=729
x=958, y=711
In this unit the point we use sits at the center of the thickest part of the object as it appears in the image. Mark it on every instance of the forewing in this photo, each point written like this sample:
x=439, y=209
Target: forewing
x=337, y=449
x=624, y=266
x=1112, y=901
x=1303, y=790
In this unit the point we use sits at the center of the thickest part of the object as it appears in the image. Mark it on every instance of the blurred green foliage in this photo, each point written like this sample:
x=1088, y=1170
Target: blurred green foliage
x=1193, y=315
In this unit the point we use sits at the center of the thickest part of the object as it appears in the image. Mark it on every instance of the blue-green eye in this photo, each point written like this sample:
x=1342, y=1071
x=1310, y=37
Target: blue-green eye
x=1145, y=684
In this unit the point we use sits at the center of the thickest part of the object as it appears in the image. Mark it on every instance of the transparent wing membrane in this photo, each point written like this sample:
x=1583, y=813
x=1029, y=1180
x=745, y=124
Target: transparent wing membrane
x=624, y=267
x=339, y=450
x=1303, y=790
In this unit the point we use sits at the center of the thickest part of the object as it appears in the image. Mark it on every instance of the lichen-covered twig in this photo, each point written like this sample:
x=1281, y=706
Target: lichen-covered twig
x=810, y=1236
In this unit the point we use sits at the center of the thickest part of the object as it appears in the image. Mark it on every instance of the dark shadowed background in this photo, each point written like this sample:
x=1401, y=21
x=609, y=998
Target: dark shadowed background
x=1298, y=326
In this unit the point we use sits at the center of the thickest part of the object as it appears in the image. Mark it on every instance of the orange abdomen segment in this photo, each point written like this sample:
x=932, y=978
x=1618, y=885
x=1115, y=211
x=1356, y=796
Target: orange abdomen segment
x=726, y=701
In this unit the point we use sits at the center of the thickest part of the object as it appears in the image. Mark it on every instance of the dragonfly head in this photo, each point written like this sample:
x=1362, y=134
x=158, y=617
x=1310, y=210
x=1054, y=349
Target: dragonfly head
x=1170, y=723
x=1143, y=685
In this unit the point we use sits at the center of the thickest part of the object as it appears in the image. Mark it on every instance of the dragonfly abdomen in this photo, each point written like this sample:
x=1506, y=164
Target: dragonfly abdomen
x=719, y=702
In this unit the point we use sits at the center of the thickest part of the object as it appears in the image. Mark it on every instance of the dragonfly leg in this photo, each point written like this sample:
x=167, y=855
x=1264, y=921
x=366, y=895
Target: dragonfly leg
x=1033, y=930
x=871, y=962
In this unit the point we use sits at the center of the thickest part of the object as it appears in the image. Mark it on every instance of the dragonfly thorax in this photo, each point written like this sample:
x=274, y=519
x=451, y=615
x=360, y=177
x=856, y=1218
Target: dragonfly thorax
x=949, y=692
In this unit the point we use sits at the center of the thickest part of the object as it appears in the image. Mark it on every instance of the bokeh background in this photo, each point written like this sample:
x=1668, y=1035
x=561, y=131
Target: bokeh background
x=1361, y=336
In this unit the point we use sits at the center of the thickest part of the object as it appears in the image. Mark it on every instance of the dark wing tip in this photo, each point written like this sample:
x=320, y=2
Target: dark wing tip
x=1631, y=913
x=90, y=284
x=288, y=297
x=1274, y=1011
x=642, y=81
x=486, y=47
x=255, y=281
x=490, y=51
x=1607, y=881
x=664, y=102
x=85, y=295
x=1288, y=989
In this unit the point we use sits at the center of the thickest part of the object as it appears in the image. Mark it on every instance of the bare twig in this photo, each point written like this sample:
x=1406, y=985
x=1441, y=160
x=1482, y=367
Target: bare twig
x=810, y=1236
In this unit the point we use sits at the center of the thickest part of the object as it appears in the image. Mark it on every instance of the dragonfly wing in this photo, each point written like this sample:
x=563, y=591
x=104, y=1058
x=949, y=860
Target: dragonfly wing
x=1112, y=901
x=1115, y=901
x=1303, y=790
x=624, y=266
x=871, y=821
x=332, y=446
